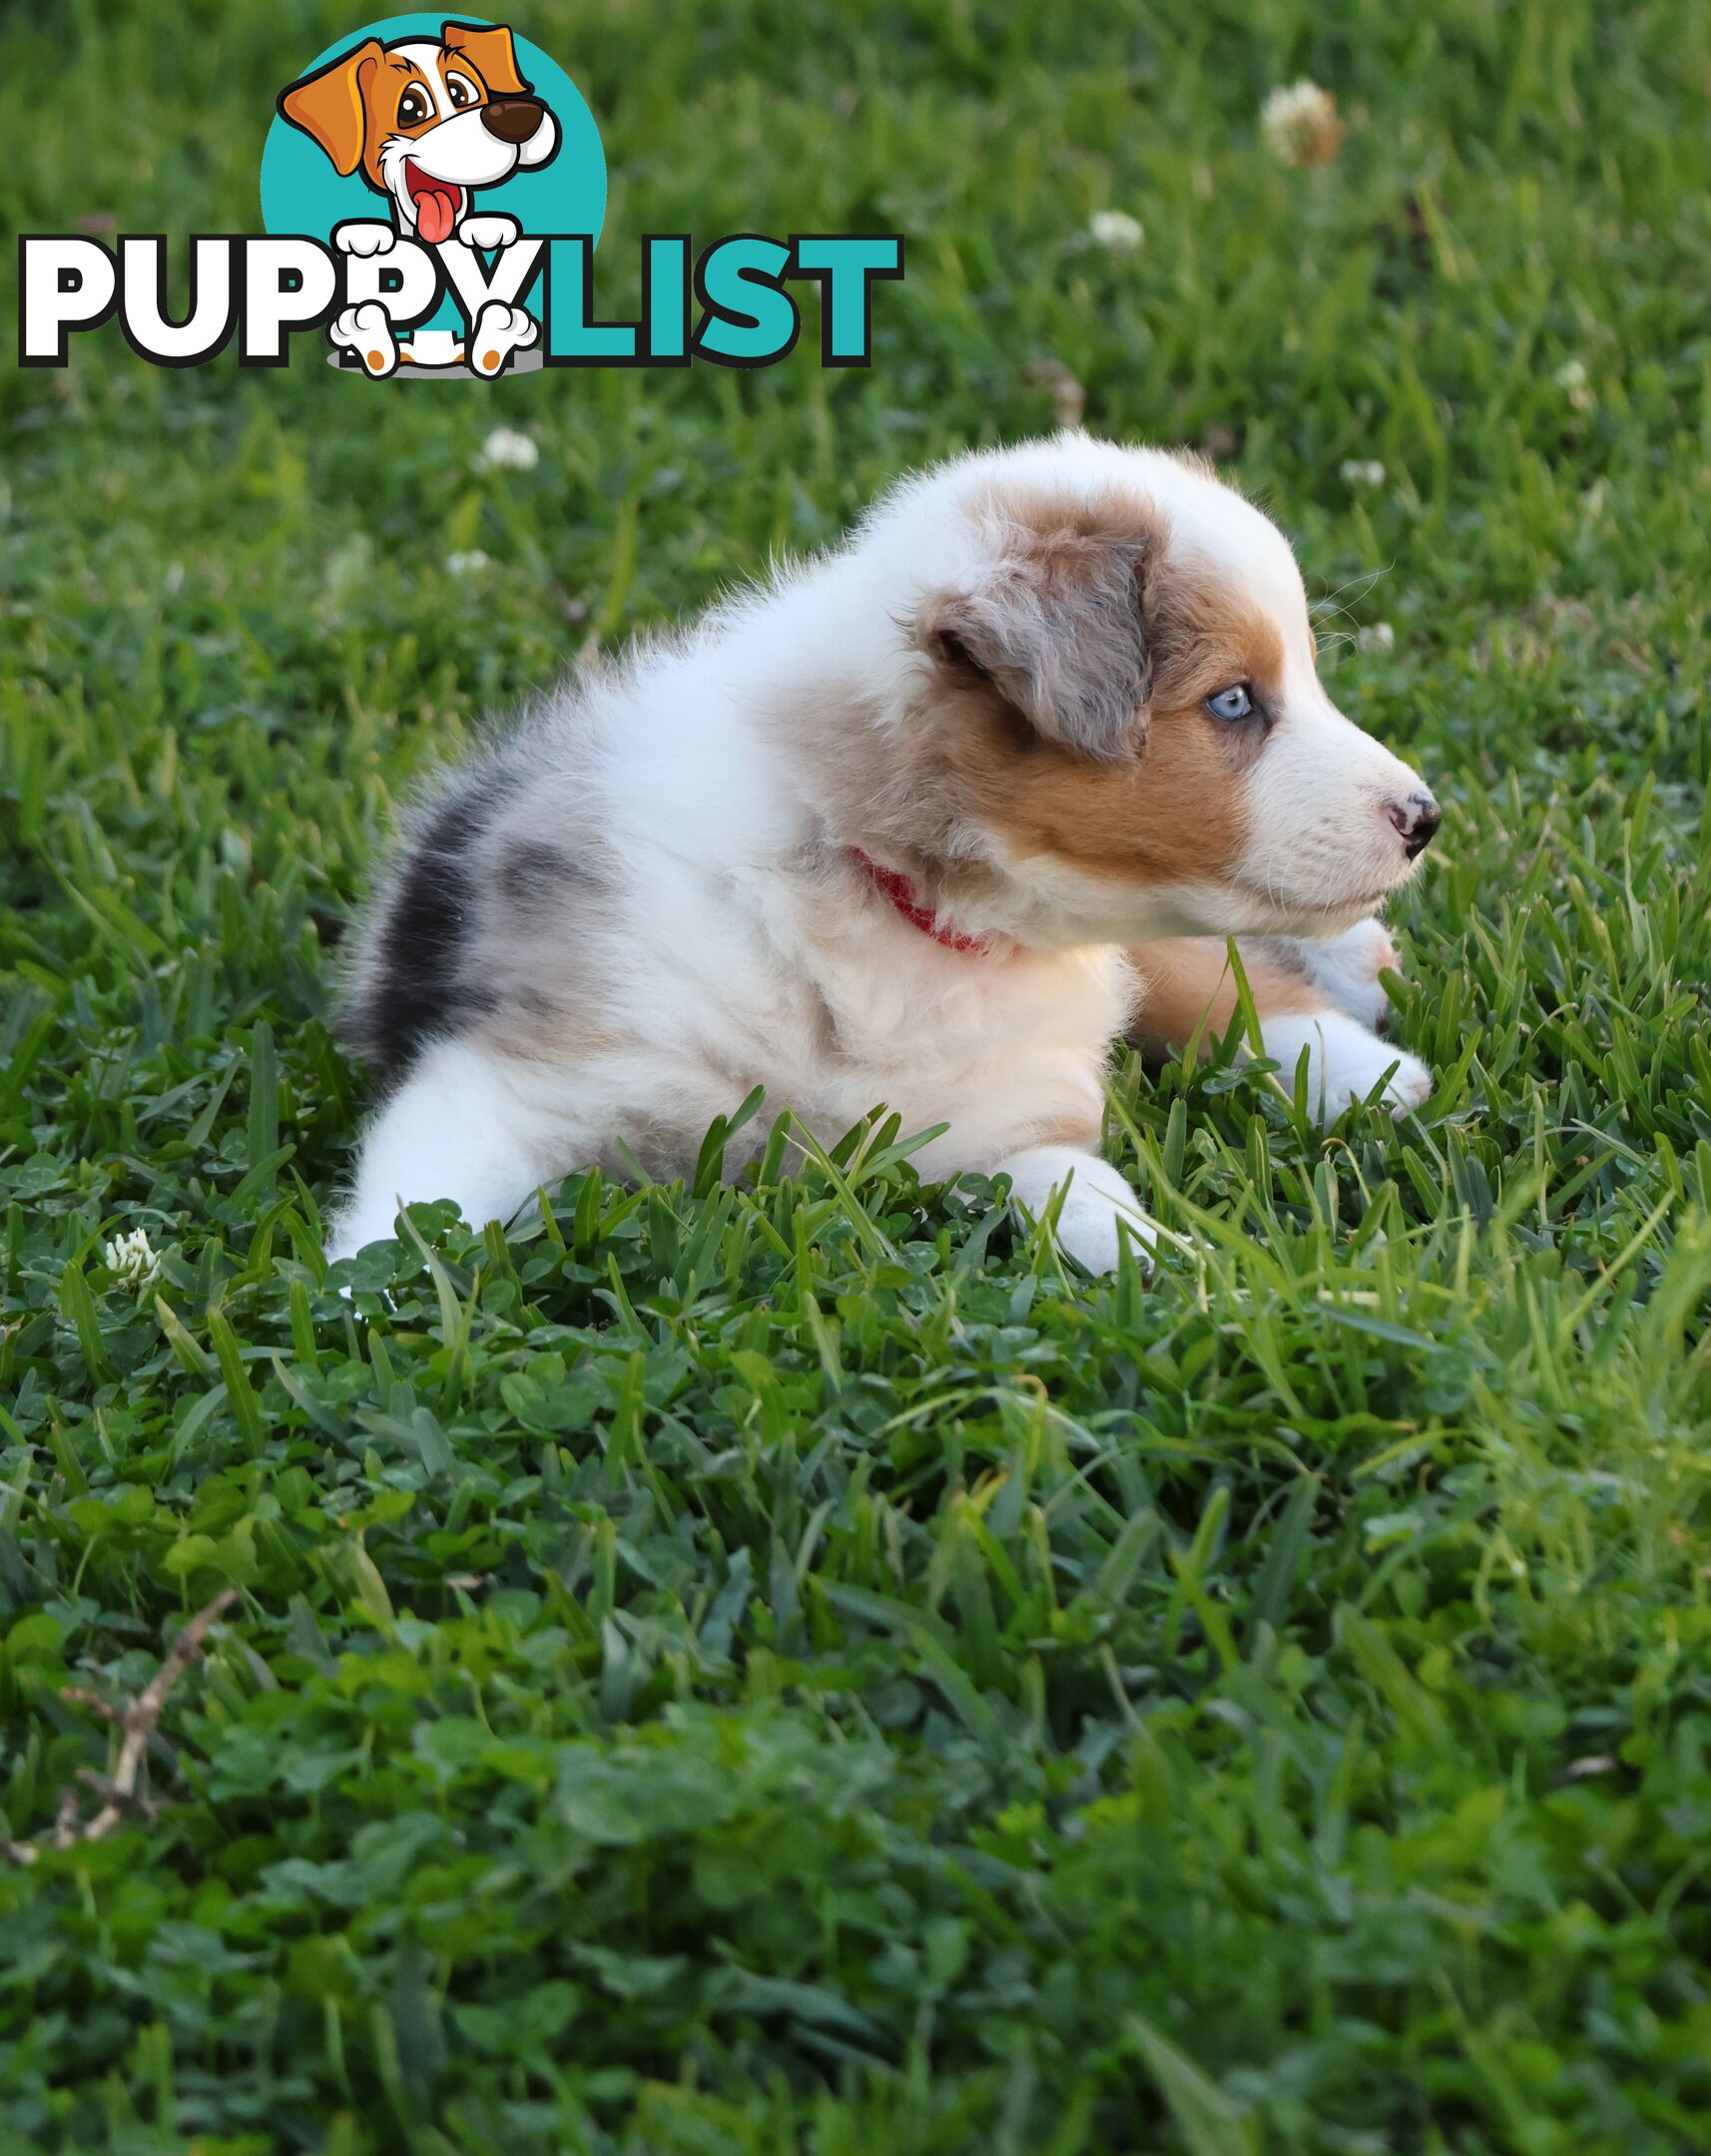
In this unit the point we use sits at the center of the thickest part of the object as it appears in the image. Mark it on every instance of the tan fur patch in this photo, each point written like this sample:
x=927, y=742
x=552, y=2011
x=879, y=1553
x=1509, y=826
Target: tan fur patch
x=1187, y=979
x=1082, y=1132
x=1175, y=813
x=1053, y=512
x=1206, y=634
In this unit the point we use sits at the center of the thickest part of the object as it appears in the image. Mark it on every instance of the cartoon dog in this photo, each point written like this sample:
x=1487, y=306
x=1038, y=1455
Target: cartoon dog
x=890, y=827
x=426, y=122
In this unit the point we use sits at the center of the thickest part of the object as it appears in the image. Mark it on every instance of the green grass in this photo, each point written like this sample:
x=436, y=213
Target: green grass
x=785, y=1669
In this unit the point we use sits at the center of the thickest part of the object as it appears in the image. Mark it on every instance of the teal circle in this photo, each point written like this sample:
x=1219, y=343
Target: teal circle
x=301, y=193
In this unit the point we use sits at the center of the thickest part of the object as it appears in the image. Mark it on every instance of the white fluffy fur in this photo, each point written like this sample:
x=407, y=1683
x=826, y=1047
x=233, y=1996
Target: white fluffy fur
x=727, y=938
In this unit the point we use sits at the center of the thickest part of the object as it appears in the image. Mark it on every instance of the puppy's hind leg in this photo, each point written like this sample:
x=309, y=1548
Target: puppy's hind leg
x=456, y=1128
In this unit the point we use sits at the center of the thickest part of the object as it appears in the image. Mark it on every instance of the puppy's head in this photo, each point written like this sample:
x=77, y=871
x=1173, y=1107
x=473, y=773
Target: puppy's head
x=426, y=121
x=1115, y=679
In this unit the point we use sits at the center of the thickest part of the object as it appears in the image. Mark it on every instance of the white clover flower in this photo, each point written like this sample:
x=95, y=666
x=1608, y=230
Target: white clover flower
x=1115, y=231
x=1301, y=124
x=1361, y=472
x=1378, y=636
x=1571, y=378
x=131, y=1258
x=470, y=562
x=507, y=449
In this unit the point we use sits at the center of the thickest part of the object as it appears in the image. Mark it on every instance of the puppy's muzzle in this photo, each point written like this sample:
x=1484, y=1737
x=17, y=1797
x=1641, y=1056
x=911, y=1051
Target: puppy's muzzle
x=512, y=120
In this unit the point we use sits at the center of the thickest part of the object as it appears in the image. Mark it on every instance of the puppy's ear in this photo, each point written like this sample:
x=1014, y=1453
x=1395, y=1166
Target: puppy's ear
x=492, y=52
x=327, y=105
x=1055, y=626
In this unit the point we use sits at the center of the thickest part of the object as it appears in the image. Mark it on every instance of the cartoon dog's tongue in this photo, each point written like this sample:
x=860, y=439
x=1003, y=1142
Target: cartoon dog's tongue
x=436, y=205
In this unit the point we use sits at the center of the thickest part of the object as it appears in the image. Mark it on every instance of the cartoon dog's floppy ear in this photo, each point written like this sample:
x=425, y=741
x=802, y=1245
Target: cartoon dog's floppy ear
x=1054, y=626
x=327, y=105
x=493, y=52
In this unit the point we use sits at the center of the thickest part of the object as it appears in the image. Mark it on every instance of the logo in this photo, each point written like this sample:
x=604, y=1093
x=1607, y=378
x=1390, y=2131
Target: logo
x=434, y=136
x=432, y=195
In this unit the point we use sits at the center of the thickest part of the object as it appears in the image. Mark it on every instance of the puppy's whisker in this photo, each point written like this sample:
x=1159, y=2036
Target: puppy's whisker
x=1366, y=578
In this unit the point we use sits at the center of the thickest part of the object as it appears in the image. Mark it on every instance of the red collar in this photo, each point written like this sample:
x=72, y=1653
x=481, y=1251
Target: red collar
x=891, y=883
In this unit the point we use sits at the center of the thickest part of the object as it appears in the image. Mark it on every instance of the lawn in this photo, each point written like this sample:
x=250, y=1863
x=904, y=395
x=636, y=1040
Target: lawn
x=787, y=1670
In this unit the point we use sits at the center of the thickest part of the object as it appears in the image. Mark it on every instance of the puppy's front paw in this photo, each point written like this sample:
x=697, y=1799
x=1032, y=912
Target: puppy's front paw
x=489, y=230
x=500, y=331
x=1091, y=1228
x=1344, y=1062
x=367, y=330
x=1346, y=968
x=1098, y=1208
x=364, y=236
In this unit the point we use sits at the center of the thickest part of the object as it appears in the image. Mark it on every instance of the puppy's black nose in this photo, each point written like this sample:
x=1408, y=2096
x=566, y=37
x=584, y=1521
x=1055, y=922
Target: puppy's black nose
x=514, y=120
x=1416, y=819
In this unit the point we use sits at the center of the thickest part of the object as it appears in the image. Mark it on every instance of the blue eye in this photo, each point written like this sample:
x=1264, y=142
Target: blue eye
x=1230, y=703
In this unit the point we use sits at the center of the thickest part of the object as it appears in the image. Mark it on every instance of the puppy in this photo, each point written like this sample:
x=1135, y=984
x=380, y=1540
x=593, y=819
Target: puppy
x=426, y=122
x=890, y=829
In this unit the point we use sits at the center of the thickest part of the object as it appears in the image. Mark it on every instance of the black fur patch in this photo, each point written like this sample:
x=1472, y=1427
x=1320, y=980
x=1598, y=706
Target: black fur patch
x=415, y=992
x=532, y=875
